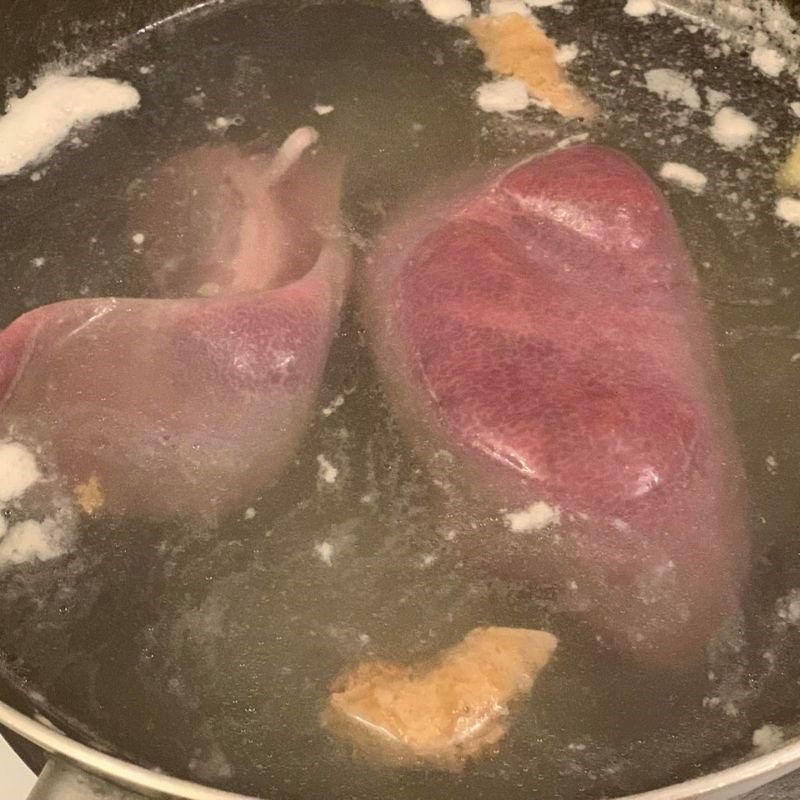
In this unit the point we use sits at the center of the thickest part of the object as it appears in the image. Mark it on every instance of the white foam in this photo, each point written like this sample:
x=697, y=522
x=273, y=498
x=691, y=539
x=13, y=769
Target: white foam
x=535, y=517
x=767, y=738
x=322, y=110
x=18, y=470
x=447, y=10
x=34, y=540
x=716, y=99
x=567, y=53
x=769, y=61
x=336, y=403
x=640, y=8
x=788, y=210
x=732, y=129
x=788, y=607
x=325, y=552
x=672, y=86
x=327, y=472
x=498, y=8
x=684, y=176
x=502, y=96
x=34, y=125
x=221, y=124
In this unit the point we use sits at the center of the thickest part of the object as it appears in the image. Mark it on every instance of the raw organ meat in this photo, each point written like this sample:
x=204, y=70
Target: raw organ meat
x=545, y=331
x=194, y=401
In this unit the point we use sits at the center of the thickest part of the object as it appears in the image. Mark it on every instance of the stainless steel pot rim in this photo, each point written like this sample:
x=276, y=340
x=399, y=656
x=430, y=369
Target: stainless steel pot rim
x=747, y=775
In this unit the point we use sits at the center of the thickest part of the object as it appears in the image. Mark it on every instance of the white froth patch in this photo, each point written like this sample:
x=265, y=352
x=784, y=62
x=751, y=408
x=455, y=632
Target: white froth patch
x=138, y=239
x=769, y=61
x=684, y=176
x=34, y=125
x=787, y=209
x=788, y=607
x=221, y=124
x=570, y=140
x=502, y=96
x=795, y=106
x=567, y=53
x=325, y=552
x=543, y=3
x=672, y=86
x=767, y=738
x=18, y=470
x=716, y=99
x=498, y=8
x=335, y=404
x=249, y=513
x=34, y=540
x=640, y=8
x=536, y=517
x=732, y=129
x=31, y=539
x=447, y=10
x=322, y=110
x=326, y=471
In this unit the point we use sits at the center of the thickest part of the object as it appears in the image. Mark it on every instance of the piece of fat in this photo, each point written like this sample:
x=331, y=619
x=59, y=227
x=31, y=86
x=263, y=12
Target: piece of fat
x=516, y=46
x=443, y=712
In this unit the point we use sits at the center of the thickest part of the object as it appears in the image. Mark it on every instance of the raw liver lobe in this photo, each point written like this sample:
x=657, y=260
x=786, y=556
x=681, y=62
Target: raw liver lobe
x=546, y=328
x=190, y=405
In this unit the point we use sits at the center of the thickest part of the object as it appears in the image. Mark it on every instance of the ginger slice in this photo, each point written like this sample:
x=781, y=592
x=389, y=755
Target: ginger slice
x=90, y=495
x=442, y=712
x=516, y=46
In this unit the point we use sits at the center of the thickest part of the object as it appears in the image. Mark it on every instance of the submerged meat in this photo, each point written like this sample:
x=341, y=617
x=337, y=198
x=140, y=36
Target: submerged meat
x=194, y=401
x=442, y=712
x=546, y=330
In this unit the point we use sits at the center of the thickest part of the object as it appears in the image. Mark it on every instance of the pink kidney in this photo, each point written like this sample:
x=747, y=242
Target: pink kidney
x=191, y=403
x=545, y=330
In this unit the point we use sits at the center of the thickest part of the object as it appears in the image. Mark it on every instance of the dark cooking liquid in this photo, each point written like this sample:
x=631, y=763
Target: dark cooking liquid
x=209, y=653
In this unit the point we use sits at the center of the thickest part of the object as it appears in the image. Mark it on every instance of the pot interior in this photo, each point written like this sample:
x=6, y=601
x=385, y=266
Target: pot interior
x=206, y=650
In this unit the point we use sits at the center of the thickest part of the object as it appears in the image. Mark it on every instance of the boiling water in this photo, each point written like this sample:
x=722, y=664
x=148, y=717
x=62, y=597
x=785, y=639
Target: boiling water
x=209, y=652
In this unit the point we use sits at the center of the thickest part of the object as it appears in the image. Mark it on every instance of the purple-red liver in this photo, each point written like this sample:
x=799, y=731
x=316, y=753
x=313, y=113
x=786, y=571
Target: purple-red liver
x=191, y=403
x=546, y=328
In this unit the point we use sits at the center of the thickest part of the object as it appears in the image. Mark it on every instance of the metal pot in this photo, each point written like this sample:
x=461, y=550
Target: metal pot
x=77, y=772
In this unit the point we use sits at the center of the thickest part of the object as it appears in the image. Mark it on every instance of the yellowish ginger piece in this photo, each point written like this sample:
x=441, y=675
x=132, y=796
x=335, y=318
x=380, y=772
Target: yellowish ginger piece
x=515, y=45
x=90, y=495
x=788, y=177
x=442, y=712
